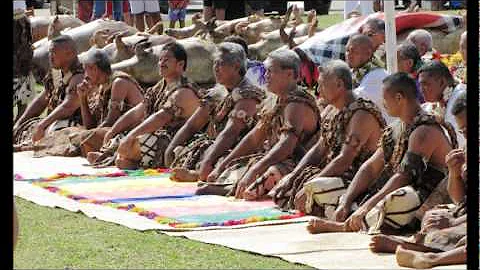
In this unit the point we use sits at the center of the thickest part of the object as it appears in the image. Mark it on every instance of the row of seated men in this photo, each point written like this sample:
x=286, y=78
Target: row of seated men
x=365, y=154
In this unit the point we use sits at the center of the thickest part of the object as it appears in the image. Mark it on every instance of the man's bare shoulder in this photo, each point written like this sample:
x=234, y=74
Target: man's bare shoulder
x=426, y=136
x=122, y=83
x=363, y=120
x=76, y=79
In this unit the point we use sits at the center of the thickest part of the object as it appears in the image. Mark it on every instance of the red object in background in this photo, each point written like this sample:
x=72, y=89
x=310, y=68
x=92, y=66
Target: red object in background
x=126, y=6
x=109, y=9
x=85, y=8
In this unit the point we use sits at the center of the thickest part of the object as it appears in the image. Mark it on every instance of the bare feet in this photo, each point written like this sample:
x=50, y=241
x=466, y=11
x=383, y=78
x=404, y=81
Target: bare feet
x=317, y=225
x=414, y=259
x=384, y=243
x=184, y=175
x=92, y=157
x=125, y=163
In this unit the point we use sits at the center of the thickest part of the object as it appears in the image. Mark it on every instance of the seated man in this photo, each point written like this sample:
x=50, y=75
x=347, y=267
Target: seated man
x=278, y=141
x=104, y=97
x=255, y=69
x=351, y=128
x=367, y=72
x=401, y=174
x=59, y=97
x=422, y=39
x=440, y=91
x=220, y=122
x=374, y=28
x=408, y=61
x=443, y=231
x=168, y=105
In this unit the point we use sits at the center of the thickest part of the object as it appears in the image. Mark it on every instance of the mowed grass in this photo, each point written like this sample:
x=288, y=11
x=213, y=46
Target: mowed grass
x=56, y=238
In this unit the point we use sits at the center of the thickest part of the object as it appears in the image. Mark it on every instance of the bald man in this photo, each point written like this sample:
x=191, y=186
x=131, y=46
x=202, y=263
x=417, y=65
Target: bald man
x=59, y=97
x=367, y=71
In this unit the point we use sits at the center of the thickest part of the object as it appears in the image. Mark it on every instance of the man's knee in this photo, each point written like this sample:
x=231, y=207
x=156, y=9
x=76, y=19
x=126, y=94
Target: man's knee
x=299, y=201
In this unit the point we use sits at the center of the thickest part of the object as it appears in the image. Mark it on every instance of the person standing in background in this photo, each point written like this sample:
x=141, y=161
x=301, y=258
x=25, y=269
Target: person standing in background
x=214, y=8
x=145, y=10
x=127, y=18
x=85, y=10
x=177, y=10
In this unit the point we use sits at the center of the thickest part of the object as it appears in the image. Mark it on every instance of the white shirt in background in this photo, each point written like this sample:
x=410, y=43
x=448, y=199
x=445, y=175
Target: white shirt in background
x=371, y=88
x=449, y=117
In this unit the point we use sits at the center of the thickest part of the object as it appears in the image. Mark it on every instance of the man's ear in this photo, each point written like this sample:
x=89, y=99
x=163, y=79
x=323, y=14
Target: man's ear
x=398, y=96
x=410, y=64
x=182, y=64
x=339, y=83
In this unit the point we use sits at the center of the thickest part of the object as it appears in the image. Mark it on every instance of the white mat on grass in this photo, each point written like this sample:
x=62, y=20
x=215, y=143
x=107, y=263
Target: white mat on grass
x=290, y=242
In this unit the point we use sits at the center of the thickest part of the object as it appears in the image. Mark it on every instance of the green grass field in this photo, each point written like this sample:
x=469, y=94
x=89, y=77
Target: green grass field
x=56, y=238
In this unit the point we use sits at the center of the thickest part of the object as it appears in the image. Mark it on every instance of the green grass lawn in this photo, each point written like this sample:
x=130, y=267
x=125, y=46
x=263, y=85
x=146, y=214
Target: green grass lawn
x=56, y=238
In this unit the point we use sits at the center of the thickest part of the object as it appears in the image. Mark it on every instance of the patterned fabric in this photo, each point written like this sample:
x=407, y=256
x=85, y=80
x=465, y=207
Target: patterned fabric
x=459, y=73
x=153, y=145
x=272, y=121
x=221, y=110
x=394, y=142
x=100, y=102
x=330, y=43
x=395, y=138
x=22, y=42
x=333, y=131
x=23, y=89
x=56, y=84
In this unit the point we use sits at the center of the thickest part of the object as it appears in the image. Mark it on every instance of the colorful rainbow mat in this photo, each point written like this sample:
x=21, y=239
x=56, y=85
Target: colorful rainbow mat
x=150, y=193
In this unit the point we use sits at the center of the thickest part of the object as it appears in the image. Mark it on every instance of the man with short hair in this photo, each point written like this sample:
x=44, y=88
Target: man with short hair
x=220, y=122
x=409, y=61
x=374, y=28
x=59, y=98
x=278, y=141
x=401, y=174
x=367, y=71
x=255, y=69
x=153, y=122
x=104, y=97
x=422, y=39
x=443, y=232
x=351, y=128
x=440, y=91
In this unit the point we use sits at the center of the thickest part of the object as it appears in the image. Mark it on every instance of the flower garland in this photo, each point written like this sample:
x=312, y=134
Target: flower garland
x=455, y=64
x=359, y=73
